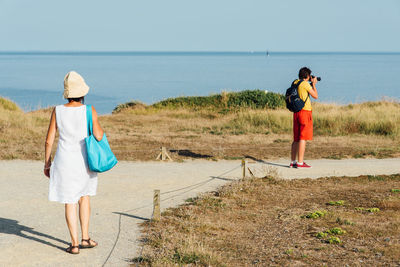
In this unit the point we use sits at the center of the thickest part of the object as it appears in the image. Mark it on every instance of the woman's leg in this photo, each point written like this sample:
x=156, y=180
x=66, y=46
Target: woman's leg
x=84, y=218
x=72, y=223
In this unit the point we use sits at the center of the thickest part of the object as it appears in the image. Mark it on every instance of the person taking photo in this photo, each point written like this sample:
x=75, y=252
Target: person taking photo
x=302, y=120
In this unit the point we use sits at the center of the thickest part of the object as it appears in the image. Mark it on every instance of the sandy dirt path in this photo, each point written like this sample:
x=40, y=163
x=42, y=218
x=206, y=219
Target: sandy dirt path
x=33, y=230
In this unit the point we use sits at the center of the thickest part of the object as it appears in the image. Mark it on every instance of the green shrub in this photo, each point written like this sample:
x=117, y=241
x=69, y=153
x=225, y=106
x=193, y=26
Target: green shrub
x=336, y=231
x=336, y=203
x=332, y=231
x=345, y=221
x=129, y=105
x=334, y=240
x=289, y=252
x=8, y=105
x=316, y=214
x=373, y=210
x=321, y=235
x=256, y=99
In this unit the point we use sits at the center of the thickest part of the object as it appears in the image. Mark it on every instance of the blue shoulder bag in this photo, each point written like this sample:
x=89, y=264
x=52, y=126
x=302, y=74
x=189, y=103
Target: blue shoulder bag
x=99, y=154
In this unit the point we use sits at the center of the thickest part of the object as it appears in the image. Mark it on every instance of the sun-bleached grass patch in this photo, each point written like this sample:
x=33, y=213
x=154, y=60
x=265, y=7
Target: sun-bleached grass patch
x=137, y=131
x=259, y=221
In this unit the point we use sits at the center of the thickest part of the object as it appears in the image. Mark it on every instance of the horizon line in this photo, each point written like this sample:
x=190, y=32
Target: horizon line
x=258, y=52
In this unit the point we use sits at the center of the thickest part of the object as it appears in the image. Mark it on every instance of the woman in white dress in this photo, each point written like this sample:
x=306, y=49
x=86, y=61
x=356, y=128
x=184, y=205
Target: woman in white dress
x=71, y=181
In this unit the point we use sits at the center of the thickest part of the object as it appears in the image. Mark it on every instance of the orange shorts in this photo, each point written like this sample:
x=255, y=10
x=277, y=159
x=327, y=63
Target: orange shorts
x=302, y=125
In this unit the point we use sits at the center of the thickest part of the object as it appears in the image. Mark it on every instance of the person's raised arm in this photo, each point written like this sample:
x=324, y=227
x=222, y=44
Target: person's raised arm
x=97, y=130
x=51, y=134
x=313, y=91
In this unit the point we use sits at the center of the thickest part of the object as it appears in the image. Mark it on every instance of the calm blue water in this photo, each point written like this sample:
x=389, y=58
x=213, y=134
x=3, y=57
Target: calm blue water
x=35, y=80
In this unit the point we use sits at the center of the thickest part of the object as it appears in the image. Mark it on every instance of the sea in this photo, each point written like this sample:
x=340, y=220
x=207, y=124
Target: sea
x=34, y=80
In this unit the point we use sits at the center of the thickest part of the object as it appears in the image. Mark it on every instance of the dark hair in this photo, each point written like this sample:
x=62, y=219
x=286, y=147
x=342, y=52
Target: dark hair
x=77, y=99
x=304, y=73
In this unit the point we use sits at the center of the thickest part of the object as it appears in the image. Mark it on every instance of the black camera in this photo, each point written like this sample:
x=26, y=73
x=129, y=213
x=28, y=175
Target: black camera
x=318, y=78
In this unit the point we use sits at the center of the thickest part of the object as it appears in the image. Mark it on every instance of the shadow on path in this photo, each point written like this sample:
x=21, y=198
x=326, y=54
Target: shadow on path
x=191, y=154
x=132, y=216
x=12, y=227
x=266, y=162
x=223, y=178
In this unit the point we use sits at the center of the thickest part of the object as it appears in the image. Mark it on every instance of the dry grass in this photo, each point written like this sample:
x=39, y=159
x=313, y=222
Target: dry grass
x=22, y=134
x=136, y=133
x=262, y=222
x=256, y=133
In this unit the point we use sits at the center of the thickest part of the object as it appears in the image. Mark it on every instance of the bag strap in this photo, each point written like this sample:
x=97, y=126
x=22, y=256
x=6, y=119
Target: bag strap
x=298, y=84
x=89, y=119
x=308, y=96
x=297, y=87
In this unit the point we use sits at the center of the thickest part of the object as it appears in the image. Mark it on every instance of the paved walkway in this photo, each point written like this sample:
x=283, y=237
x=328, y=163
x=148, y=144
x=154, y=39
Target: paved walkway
x=33, y=230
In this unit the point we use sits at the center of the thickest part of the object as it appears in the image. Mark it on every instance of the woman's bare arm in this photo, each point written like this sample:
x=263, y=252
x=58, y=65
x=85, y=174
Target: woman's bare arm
x=97, y=130
x=51, y=134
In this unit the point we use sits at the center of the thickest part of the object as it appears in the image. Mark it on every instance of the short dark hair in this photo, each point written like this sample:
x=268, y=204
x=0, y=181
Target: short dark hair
x=304, y=72
x=77, y=99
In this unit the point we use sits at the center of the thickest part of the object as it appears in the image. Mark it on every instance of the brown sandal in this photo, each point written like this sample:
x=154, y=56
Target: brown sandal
x=89, y=245
x=70, y=248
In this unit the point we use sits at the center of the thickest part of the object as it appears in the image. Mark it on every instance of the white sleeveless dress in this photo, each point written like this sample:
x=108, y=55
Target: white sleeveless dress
x=70, y=177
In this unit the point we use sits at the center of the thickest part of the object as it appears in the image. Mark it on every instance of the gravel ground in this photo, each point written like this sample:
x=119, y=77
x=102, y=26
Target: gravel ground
x=33, y=231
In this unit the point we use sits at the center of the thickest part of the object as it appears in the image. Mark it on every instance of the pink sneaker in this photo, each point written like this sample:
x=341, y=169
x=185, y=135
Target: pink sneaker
x=303, y=166
x=293, y=165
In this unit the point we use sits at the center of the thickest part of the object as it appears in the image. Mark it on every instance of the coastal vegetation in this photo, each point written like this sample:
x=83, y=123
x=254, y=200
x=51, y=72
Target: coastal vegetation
x=254, y=99
x=22, y=134
x=251, y=222
x=250, y=123
x=249, y=108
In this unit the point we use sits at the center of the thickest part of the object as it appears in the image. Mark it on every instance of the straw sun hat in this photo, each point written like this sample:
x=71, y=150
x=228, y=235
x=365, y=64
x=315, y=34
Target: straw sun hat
x=74, y=85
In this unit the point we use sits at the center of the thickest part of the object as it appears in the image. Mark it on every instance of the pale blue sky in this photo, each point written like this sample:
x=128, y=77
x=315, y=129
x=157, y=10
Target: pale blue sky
x=206, y=25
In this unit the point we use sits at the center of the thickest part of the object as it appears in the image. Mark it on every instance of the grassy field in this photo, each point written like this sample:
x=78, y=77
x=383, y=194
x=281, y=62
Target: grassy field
x=258, y=221
x=268, y=222
x=229, y=126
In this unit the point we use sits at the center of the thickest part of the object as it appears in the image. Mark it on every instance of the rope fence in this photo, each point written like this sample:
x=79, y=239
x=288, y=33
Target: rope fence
x=222, y=148
x=157, y=200
x=163, y=153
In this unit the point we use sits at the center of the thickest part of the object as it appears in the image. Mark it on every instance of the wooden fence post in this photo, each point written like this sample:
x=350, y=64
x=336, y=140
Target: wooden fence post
x=156, y=206
x=163, y=154
x=244, y=168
